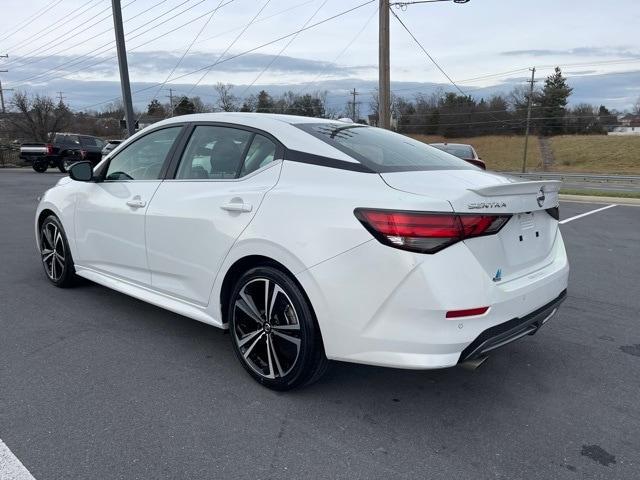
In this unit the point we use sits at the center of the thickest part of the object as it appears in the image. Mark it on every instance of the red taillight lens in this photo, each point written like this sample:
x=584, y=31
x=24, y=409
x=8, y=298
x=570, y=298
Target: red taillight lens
x=426, y=232
x=49, y=148
x=470, y=312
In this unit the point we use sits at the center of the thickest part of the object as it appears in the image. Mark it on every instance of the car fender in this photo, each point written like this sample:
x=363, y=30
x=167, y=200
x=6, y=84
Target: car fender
x=59, y=201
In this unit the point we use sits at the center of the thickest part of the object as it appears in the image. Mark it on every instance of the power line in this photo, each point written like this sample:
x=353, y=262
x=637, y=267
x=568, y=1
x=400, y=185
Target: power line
x=433, y=60
x=286, y=45
x=204, y=25
x=251, y=50
x=260, y=20
x=74, y=34
x=108, y=44
x=31, y=19
x=218, y=60
x=342, y=52
x=55, y=24
x=103, y=59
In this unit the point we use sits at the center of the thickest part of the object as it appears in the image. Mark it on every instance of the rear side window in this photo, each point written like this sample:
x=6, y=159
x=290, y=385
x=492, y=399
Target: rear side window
x=261, y=152
x=383, y=151
x=222, y=153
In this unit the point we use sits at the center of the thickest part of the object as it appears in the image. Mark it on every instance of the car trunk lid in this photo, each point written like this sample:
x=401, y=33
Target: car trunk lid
x=524, y=244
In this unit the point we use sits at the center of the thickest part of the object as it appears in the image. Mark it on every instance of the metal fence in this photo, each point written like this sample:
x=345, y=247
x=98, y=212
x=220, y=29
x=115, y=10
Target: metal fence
x=9, y=157
x=579, y=177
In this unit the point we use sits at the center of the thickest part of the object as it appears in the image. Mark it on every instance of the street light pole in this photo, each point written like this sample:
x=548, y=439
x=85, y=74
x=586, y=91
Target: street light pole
x=124, y=67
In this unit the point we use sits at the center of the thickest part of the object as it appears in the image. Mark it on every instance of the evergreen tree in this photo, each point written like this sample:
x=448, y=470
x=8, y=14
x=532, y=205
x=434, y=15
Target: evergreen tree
x=156, y=109
x=265, y=102
x=555, y=94
x=184, y=107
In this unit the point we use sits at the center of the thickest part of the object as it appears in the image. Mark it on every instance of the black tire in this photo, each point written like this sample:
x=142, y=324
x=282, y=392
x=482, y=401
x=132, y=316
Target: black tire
x=55, y=254
x=64, y=164
x=267, y=347
x=40, y=167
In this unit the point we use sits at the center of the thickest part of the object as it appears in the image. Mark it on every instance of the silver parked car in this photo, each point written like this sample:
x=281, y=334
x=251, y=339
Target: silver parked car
x=110, y=145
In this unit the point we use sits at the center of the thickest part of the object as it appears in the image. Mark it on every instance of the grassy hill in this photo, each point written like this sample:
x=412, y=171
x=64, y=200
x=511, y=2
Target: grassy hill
x=573, y=153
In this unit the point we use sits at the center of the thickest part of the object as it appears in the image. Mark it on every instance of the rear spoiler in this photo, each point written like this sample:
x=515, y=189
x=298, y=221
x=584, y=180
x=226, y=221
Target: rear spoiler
x=519, y=188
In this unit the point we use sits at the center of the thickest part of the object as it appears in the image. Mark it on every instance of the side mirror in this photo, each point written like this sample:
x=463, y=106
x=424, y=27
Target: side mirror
x=81, y=172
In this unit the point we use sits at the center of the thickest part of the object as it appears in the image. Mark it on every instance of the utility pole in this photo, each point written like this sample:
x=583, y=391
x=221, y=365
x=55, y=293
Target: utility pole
x=61, y=97
x=384, y=75
x=353, y=105
x=170, y=102
x=2, y=90
x=123, y=66
x=529, y=104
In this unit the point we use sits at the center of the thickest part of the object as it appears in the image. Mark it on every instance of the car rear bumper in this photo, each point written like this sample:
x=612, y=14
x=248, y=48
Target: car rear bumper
x=511, y=330
x=382, y=306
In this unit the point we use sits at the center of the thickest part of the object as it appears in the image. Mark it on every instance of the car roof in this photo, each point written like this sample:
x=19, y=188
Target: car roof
x=280, y=126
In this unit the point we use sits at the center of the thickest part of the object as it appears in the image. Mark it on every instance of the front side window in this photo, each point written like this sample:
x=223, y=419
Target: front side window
x=214, y=153
x=143, y=159
x=383, y=151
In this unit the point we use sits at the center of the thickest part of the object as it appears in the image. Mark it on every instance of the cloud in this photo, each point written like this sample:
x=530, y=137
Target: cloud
x=160, y=63
x=617, y=51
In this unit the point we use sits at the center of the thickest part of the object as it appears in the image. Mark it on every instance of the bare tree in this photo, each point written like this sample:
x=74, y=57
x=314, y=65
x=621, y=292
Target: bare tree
x=40, y=118
x=636, y=107
x=227, y=101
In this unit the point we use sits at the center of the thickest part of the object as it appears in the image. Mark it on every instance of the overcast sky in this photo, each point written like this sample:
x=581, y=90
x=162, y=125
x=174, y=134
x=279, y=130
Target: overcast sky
x=595, y=41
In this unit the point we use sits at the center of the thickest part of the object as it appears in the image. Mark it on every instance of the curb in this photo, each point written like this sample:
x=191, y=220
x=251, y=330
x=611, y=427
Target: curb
x=593, y=199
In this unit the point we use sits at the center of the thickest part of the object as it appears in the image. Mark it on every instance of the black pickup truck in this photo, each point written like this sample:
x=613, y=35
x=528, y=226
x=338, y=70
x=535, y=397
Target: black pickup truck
x=65, y=149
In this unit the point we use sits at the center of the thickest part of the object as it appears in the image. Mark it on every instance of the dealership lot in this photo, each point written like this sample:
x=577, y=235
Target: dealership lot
x=94, y=384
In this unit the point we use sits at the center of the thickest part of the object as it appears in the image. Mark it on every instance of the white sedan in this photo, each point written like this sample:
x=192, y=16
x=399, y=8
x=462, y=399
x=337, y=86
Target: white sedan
x=312, y=240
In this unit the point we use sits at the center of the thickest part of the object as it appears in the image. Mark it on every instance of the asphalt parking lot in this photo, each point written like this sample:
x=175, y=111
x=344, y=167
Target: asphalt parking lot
x=94, y=384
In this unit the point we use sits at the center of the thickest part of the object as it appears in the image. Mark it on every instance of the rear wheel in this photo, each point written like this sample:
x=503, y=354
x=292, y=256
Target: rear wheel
x=40, y=167
x=55, y=254
x=273, y=330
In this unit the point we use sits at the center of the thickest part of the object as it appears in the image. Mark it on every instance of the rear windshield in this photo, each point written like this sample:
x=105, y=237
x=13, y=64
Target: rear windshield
x=91, y=142
x=460, y=151
x=382, y=150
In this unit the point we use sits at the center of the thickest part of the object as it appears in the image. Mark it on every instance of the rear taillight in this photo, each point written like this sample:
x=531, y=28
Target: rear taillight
x=49, y=148
x=426, y=232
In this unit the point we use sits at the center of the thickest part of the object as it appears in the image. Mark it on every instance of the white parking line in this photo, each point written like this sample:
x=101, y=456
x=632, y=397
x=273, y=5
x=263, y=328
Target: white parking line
x=566, y=220
x=10, y=467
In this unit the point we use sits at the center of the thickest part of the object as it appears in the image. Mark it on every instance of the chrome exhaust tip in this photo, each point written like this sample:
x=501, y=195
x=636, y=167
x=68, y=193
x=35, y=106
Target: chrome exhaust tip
x=474, y=364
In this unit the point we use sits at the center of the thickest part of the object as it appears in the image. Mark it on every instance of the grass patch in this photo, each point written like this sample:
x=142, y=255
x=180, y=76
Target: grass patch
x=573, y=153
x=500, y=152
x=596, y=154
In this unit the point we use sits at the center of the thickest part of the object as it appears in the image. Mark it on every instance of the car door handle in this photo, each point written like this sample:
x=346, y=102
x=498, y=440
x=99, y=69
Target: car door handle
x=237, y=207
x=136, y=203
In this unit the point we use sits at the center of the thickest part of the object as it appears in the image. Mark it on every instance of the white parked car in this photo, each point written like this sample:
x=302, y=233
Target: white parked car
x=310, y=240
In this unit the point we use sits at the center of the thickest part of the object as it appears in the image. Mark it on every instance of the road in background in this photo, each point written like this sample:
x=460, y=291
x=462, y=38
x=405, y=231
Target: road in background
x=95, y=384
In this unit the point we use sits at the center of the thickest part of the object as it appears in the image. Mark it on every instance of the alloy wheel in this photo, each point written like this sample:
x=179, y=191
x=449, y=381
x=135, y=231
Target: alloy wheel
x=266, y=328
x=52, y=251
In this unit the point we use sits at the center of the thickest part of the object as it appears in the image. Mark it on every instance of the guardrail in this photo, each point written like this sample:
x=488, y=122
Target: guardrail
x=580, y=177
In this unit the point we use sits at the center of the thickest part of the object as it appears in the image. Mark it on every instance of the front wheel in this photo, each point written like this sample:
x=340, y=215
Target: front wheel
x=273, y=330
x=65, y=164
x=55, y=254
